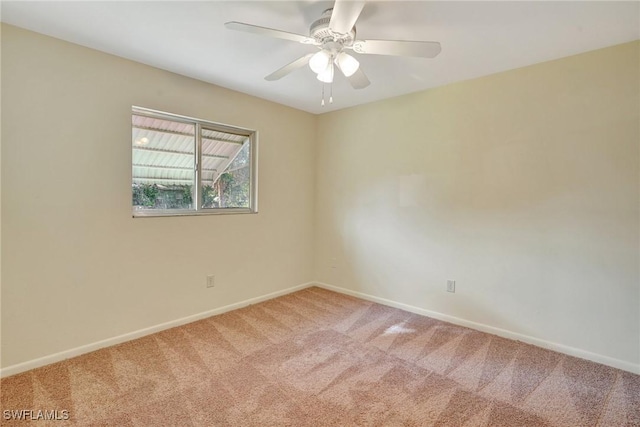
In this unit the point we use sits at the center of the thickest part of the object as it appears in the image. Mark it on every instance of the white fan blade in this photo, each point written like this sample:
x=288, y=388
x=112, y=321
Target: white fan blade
x=345, y=14
x=298, y=63
x=397, y=47
x=358, y=80
x=264, y=31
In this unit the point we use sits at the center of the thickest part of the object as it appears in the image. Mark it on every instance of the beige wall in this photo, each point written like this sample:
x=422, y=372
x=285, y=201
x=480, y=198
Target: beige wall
x=521, y=186
x=0, y=193
x=77, y=267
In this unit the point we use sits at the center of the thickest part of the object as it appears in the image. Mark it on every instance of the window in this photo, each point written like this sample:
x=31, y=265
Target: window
x=185, y=166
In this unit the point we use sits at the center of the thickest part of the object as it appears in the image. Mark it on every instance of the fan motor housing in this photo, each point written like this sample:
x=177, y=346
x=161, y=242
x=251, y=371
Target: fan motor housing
x=321, y=32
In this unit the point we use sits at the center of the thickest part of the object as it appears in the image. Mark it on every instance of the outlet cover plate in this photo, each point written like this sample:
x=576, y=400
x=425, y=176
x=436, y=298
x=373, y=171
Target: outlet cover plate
x=211, y=281
x=451, y=285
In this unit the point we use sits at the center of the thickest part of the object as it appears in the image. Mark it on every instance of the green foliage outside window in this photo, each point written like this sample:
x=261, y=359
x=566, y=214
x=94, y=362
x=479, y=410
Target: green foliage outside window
x=154, y=196
x=230, y=190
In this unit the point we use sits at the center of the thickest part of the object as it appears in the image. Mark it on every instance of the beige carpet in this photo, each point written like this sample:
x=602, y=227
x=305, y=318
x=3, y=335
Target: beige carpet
x=318, y=358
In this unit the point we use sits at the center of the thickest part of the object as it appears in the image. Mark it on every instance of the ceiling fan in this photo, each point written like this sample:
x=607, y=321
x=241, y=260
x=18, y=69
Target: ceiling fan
x=333, y=34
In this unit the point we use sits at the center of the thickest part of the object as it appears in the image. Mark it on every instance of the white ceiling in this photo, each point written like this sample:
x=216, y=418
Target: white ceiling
x=189, y=38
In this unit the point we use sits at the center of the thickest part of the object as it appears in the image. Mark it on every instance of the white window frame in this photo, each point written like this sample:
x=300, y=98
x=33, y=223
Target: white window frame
x=252, y=135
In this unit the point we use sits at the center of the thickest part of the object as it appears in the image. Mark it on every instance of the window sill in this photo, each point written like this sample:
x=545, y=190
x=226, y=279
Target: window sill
x=223, y=211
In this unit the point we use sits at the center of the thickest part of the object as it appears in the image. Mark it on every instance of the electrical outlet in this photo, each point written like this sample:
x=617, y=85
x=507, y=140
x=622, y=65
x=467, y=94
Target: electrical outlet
x=451, y=285
x=211, y=281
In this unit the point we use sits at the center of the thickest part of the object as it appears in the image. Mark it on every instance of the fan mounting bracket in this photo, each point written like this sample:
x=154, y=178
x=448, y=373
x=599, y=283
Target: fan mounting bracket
x=322, y=34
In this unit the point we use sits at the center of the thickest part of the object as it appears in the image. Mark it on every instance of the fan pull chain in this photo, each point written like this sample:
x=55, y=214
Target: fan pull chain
x=322, y=103
x=331, y=84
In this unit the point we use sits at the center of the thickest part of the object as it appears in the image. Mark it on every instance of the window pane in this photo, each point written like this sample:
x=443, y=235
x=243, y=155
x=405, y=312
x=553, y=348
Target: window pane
x=163, y=154
x=226, y=172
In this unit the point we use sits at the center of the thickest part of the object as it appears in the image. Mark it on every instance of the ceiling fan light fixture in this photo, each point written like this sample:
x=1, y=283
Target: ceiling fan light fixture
x=347, y=63
x=326, y=76
x=320, y=62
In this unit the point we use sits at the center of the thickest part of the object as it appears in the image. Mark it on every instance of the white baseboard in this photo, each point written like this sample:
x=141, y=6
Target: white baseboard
x=67, y=354
x=571, y=351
